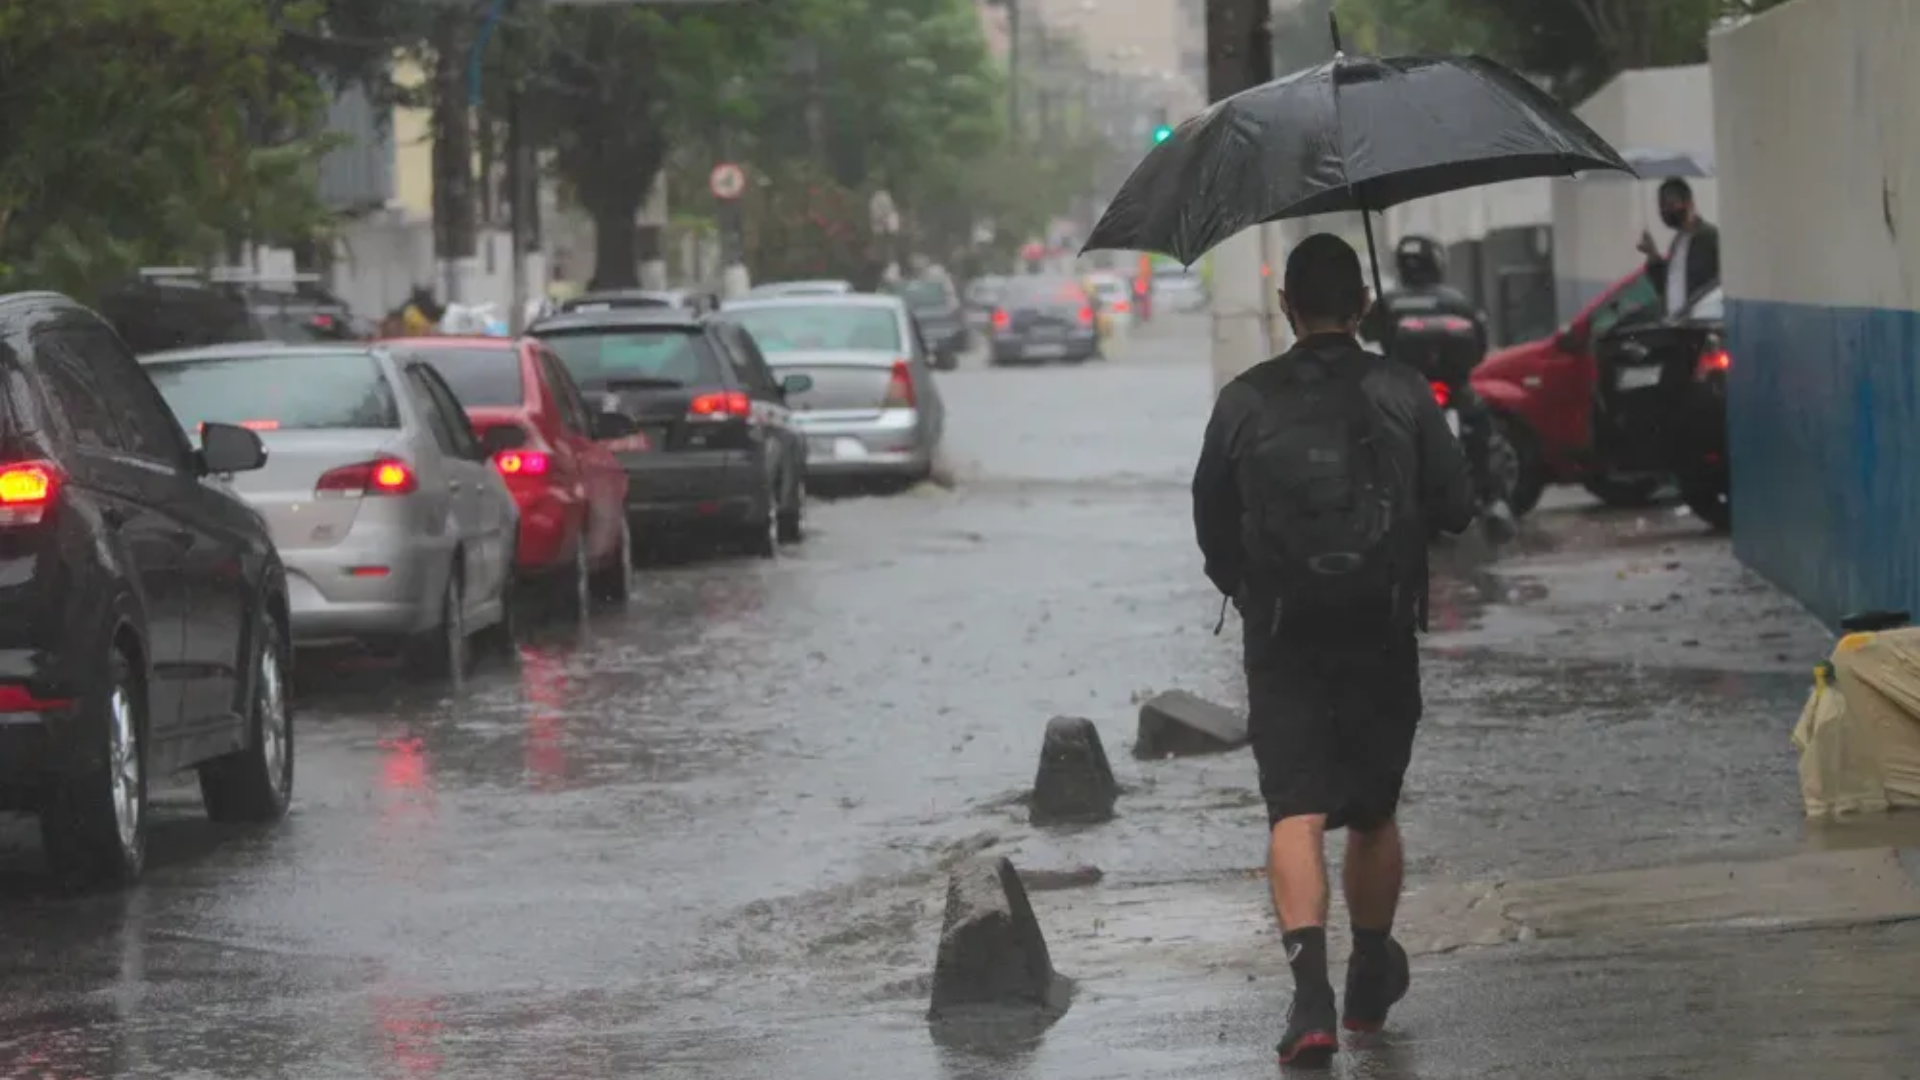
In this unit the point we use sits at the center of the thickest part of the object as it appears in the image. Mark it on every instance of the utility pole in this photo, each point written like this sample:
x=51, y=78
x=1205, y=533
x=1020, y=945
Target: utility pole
x=1240, y=57
x=1045, y=81
x=1013, y=68
x=454, y=213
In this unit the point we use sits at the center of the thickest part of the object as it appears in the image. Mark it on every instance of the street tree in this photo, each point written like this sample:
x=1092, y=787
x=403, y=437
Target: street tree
x=126, y=136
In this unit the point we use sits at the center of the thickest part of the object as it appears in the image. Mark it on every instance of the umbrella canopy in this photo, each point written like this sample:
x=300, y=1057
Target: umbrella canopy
x=1355, y=133
x=1650, y=163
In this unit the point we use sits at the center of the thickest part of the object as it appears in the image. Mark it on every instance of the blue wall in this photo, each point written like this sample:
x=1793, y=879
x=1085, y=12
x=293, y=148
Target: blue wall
x=1824, y=438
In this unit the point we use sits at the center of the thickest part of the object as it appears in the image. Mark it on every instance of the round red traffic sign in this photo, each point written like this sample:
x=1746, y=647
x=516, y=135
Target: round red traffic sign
x=727, y=181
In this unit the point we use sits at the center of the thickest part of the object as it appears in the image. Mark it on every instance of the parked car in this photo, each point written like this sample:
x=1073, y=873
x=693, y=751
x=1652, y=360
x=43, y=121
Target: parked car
x=570, y=488
x=1661, y=405
x=1543, y=393
x=866, y=399
x=943, y=322
x=982, y=294
x=699, y=422
x=1043, y=317
x=821, y=287
x=1178, y=288
x=395, y=529
x=143, y=614
x=1113, y=304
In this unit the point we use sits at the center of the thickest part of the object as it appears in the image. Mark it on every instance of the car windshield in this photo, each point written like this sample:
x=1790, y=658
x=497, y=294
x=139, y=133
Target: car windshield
x=924, y=295
x=302, y=391
x=480, y=378
x=664, y=356
x=985, y=290
x=1038, y=291
x=805, y=327
x=1710, y=306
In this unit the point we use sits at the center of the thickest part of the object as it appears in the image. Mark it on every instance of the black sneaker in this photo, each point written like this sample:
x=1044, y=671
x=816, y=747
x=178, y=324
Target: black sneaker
x=1375, y=986
x=1311, y=1037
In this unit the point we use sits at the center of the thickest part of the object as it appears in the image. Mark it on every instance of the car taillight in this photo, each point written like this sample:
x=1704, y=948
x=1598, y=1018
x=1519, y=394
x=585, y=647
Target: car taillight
x=1086, y=315
x=726, y=405
x=1001, y=320
x=521, y=463
x=1442, y=394
x=1121, y=307
x=1713, y=362
x=384, y=477
x=20, y=699
x=900, y=393
x=27, y=489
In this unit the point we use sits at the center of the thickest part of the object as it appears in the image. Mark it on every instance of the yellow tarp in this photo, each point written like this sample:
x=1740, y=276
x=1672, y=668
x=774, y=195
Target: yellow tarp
x=1859, y=735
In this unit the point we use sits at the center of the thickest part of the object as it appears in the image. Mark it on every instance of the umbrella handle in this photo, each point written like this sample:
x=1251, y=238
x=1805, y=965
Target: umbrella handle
x=1373, y=253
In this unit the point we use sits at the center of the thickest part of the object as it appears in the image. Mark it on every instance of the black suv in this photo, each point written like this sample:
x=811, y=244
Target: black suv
x=707, y=435
x=143, y=609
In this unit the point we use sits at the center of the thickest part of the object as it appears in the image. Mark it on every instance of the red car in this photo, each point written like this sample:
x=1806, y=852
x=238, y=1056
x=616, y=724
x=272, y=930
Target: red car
x=1543, y=391
x=557, y=459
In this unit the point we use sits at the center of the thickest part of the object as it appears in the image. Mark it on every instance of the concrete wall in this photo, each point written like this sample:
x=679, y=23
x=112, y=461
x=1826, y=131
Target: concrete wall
x=1472, y=214
x=1819, y=154
x=1597, y=221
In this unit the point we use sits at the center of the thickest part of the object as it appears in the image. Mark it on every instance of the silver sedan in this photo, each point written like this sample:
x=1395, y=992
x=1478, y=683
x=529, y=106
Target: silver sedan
x=393, y=525
x=873, y=410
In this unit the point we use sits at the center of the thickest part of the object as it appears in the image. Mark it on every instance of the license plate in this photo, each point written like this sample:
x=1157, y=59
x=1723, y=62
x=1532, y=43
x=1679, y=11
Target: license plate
x=1045, y=350
x=1638, y=378
x=1453, y=422
x=1046, y=331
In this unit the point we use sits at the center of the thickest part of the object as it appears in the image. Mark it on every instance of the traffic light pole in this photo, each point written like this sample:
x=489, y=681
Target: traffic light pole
x=1239, y=57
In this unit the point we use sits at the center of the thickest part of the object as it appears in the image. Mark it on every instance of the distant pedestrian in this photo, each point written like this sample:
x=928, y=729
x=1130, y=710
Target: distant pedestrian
x=1324, y=473
x=1695, y=248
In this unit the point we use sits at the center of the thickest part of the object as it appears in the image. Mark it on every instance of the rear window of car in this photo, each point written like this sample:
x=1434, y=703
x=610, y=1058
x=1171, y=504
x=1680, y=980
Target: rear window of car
x=925, y=295
x=828, y=327
x=1044, y=290
x=480, y=378
x=667, y=356
x=307, y=391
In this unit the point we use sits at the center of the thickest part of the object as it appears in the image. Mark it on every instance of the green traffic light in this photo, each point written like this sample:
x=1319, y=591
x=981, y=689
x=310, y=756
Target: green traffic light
x=1162, y=133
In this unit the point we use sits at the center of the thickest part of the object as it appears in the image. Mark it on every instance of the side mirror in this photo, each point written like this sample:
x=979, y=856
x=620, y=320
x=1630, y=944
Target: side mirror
x=797, y=383
x=608, y=426
x=229, y=448
x=503, y=437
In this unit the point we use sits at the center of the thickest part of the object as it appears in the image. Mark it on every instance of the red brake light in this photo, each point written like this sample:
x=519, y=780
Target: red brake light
x=1001, y=320
x=1121, y=307
x=1415, y=325
x=19, y=699
x=900, y=393
x=26, y=490
x=521, y=463
x=727, y=405
x=384, y=477
x=1713, y=362
x=1442, y=394
x=1086, y=315
x=1454, y=324
x=260, y=425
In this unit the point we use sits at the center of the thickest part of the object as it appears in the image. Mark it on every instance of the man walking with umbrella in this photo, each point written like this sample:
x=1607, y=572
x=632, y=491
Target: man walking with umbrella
x=1322, y=476
x=1692, y=262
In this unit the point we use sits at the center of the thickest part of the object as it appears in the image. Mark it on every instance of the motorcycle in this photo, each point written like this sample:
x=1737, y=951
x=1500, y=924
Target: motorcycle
x=1445, y=349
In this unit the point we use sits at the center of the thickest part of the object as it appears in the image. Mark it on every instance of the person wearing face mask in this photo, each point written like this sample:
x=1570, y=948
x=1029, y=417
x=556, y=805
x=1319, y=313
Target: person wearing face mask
x=1695, y=250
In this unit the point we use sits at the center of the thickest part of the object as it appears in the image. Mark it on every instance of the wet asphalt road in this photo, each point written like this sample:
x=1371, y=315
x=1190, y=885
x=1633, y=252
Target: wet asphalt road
x=707, y=838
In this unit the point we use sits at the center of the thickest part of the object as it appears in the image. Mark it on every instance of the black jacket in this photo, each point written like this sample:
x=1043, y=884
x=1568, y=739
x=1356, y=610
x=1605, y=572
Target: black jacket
x=1432, y=300
x=1703, y=261
x=1419, y=441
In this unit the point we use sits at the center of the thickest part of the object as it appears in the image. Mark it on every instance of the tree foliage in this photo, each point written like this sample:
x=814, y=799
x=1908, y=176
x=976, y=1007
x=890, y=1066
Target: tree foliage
x=1575, y=45
x=127, y=135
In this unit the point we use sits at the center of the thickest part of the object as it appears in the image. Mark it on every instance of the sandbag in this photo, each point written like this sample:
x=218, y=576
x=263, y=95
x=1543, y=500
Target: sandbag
x=1839, y=760
x=1879, y=674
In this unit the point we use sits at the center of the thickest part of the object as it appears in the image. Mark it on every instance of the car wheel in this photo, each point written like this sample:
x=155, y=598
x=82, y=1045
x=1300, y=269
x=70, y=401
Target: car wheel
x=614, y=584
x=256, y=783
x=793, y=518
x=1530, y=477
x=1711, y=502
x=441, y=652
x=762, y=534
x=94, y=825
x=1624, y=492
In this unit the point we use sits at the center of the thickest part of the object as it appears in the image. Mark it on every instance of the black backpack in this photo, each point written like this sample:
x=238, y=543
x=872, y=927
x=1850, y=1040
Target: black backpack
x=1325, y=500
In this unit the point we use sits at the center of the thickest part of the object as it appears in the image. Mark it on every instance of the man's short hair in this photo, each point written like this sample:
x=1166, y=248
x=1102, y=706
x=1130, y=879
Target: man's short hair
x=1323, y=281
x=1677, y=189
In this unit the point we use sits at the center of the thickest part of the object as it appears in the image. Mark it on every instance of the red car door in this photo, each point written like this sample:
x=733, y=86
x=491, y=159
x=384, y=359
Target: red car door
x=603, y=481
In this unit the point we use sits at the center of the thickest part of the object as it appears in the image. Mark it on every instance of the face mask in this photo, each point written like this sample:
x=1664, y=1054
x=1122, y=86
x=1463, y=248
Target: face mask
x=1673, y=217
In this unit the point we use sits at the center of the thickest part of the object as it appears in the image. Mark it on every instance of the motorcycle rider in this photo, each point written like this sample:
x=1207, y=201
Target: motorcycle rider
x=1423, y=292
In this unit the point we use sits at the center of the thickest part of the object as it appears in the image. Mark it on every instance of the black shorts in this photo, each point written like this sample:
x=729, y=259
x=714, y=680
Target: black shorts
x=1332, y=724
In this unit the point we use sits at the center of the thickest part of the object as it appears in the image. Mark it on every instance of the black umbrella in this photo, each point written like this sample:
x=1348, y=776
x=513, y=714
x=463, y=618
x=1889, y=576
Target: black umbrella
x=1355, y=133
